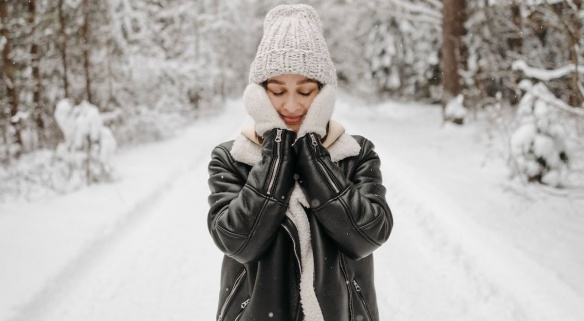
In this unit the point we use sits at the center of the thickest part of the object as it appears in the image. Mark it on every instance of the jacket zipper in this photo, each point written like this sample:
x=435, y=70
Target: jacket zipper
x=243, y=305
x=230, y=296
x=342, y=265
x=298, y=308
x=277, y=160
x=295, y=247
x=360, y=294
x=322, y=167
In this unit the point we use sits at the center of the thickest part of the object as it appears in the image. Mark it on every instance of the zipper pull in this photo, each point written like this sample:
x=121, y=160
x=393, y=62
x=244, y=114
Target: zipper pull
x=278, y=135
x=314, y=143
x=244, y=304
x=357, y=287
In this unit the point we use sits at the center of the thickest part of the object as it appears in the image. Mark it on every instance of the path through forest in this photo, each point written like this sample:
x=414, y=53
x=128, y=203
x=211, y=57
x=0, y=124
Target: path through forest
x=444, y=260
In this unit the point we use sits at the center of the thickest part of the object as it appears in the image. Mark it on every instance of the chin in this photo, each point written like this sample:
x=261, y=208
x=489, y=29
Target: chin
x=294, y=128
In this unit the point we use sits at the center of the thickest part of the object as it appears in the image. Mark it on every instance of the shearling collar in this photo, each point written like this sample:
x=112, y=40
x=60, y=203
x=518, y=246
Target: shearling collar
x=334, y=131
x=247, y=147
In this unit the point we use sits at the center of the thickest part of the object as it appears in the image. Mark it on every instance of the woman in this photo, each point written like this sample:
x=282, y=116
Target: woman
x=297, y=205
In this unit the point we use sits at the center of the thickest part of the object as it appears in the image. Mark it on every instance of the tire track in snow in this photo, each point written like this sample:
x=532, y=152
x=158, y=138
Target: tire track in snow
x=77, y=271
x=164, y=268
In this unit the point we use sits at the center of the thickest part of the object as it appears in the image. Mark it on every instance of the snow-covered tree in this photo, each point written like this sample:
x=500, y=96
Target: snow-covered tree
x=85, y=155
x=394, y=51
x=538, y=145
x=383, y=50
x=544, y=34
x=9, y=131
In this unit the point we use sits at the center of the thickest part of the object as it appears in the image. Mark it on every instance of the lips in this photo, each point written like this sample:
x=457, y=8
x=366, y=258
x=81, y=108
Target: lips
x=291, y=120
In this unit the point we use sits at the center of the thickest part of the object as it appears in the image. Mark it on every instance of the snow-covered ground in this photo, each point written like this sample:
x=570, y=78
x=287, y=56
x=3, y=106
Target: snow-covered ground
x=467, y=243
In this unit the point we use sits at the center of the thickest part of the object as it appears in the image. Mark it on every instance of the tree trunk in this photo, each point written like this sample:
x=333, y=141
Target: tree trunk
x=577, y=98
x=63, y=36
x=517, y=40
x=109, y=53
x=571, y=25
x=36, y=73
x=450, y=80
x=8, y=68
x=450, y=49
x=453, y=53
x=86, y=55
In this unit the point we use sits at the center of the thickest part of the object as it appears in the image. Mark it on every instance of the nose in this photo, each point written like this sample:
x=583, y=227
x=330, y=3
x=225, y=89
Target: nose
x=292, y=105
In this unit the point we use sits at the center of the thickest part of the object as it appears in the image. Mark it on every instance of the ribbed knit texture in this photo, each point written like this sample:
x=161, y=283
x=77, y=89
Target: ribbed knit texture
x=292, y=43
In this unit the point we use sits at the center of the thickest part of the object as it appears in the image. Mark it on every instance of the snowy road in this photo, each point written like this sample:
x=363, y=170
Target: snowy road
x=439, y=263
x=164, y=267
x=163, y=264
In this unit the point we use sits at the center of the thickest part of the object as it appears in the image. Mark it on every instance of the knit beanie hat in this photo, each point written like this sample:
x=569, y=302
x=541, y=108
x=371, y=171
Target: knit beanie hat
x=292, y=43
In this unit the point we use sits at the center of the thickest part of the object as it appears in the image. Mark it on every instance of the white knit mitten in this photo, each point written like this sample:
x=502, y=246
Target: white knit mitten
x=259, y=107
x=320, y=112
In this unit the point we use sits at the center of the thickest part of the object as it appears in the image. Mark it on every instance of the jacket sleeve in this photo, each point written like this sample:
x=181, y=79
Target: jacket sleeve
x=352, y=211
x=245, y=213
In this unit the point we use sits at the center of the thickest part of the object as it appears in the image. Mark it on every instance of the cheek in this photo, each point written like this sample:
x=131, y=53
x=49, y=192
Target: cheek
x=276, y=103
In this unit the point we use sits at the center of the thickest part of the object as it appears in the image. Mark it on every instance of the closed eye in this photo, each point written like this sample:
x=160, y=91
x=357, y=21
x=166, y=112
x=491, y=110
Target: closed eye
x=306, y=94
x=277, y=94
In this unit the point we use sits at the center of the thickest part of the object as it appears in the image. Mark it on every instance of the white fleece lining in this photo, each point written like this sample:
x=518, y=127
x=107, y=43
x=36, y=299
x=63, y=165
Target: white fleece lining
x=295, y=212
x=245, y=151
x=248, y=152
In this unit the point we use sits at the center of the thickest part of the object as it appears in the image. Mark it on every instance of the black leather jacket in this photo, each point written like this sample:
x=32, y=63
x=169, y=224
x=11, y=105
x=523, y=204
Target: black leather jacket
x=349, y=218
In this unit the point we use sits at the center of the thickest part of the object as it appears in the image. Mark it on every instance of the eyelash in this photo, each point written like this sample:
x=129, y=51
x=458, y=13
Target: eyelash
x=281, y=93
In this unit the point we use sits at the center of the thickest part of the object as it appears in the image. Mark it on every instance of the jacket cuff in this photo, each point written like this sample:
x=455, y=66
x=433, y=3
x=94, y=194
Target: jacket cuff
x=318, y=175
x=278, y=159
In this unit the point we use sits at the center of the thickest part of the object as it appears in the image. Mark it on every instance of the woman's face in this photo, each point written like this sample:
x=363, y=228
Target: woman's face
x=291, y=95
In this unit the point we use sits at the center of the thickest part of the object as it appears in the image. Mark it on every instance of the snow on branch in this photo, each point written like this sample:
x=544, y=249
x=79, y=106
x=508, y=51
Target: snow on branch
x=403, y=10
x=435, y=3
x=541, y=92
x=532, y=3
x=544, y=74
x=417, y=18
x=418, y=9
x=540, y=2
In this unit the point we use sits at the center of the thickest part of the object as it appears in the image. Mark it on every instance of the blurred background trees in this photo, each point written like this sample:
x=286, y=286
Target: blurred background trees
x=152, y=66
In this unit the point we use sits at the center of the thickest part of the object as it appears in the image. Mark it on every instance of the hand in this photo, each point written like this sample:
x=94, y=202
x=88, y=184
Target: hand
x=259, y=107
x=320, y=112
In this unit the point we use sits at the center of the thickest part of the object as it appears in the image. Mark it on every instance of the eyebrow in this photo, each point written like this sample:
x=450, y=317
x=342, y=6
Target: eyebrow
x=301, y=82
x=274, y=81
x=307, y=80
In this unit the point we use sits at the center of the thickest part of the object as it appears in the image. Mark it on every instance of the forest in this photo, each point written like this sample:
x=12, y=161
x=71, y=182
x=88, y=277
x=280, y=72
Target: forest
x=80, y=79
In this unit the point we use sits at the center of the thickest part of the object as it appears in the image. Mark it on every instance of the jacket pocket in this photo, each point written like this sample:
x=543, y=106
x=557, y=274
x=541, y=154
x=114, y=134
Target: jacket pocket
x=359, y=291
x=234, y=289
